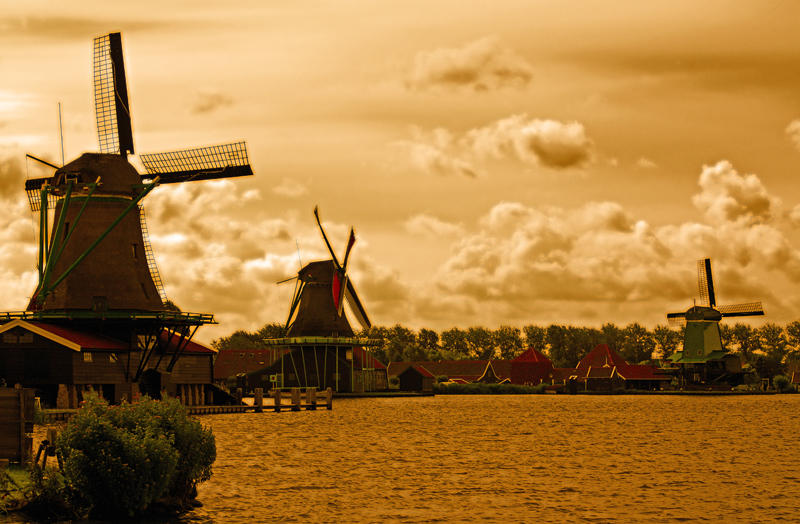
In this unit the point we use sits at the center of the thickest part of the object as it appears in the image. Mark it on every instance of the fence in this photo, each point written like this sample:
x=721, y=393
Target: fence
x=16, y=423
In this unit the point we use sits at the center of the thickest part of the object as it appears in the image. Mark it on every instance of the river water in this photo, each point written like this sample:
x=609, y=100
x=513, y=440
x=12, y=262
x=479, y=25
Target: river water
x=510, y=458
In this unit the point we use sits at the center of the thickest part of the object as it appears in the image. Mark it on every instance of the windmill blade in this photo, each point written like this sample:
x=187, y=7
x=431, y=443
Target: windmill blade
x=356, y=306
x=350, y=242
x=202, y=163
x=676, y=319
x=750, y=309
x=33, y=188
x=298, y=291
x=111, y=96
x=325, y=237
x=338, y=287
x=286, y=280
x=705, y=282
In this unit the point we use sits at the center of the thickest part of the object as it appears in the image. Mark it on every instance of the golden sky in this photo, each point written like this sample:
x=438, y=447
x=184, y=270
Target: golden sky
x=502, y=162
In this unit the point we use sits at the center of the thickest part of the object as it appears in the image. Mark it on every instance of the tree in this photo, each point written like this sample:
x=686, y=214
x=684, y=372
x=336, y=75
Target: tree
x=637, y=344
x=454, y=343
x=557, y=345
x=401, y=343
x=480, y=343
x=612, y=336
x=793, y=337
x=579, y=341
x=508, y=341
x=428, y=340
x=667, y=340
x=536, y=337
x=746, y=339
x=726, y=335
x=774, y=344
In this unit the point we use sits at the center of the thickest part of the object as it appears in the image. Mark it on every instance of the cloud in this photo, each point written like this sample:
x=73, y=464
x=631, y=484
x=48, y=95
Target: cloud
x=210, y=101
x=481, y=66
x=599, y=253
x=727, y=196
x=437, y=153
x=12, y=178
x=290, y=188
x=550, y=143
x=428, y=225
x=646, y=163
x=793, y=132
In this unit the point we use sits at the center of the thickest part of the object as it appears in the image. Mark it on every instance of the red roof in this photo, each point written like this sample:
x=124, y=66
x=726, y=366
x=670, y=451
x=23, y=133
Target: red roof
x=641, y=372
x=71, y=338
x=600, y=356
x=191, y=347
x=367, y=359
x=531, y=355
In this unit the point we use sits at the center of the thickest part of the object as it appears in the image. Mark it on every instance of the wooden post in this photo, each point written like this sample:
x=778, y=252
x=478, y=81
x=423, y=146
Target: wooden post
x=329, y=399
x=21, y=395
x=62, y=398
x=277, y=400
x=311, y=398
x=239, y=394
x=210, y=397
x=295, y=399
x=258, y=399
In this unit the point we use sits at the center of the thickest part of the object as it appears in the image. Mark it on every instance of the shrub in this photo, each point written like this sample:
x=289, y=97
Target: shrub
x=124, y=458
x=477, y=388
x=782, y=383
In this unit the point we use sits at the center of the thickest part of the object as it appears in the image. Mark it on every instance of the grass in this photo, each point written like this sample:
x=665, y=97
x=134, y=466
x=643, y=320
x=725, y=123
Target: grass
x=15, y=488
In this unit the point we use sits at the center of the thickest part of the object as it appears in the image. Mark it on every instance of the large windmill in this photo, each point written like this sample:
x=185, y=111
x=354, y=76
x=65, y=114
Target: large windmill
x=704, y=357
x=96, y=270
x=322, y=349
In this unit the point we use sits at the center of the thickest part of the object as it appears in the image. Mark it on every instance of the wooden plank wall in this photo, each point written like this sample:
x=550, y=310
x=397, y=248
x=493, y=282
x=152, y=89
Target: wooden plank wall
x=16, y=424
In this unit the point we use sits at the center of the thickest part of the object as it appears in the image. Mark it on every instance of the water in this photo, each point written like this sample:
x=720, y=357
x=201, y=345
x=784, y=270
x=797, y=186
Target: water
x=510, y=458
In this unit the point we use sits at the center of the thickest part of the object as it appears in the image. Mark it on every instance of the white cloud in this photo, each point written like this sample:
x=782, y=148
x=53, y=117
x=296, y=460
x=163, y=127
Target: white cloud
x=429, y=225
x=481, y=65
x=550, y=143
x=646, y=163
x=290, y=188
x=726, y=195
x=208, y=101
x=793, y=132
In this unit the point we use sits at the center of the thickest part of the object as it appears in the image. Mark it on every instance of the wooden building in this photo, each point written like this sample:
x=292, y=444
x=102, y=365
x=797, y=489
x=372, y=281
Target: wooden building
x=62, y=362
x=415, y=378
x=603, y=369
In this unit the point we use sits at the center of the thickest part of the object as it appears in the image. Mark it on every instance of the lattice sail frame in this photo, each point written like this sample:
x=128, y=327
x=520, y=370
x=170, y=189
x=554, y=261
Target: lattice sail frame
x=211, y=158
x=741, y=310
x=105, y=96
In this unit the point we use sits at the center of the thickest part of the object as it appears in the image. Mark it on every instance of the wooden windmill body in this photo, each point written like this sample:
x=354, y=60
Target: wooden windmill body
x=99, y=289
x=321, y=349
x=704, y=358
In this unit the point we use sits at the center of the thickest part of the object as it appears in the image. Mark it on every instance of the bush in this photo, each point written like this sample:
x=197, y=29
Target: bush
x=782, y=383
x=478, y=388
x=124, y=458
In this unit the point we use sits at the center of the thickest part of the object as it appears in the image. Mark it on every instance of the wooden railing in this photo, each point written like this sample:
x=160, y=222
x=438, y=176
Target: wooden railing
x=16, y=423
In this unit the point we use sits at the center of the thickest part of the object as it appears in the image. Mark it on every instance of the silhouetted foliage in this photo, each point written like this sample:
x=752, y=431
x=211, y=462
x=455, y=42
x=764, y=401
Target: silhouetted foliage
x=768, y=350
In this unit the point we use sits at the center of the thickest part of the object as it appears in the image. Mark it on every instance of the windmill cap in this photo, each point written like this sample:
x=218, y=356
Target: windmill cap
x=116, y=174
x=703, y=313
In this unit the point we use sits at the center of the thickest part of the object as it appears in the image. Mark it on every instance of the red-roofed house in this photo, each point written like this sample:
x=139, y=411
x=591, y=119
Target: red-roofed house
x=531, y=368
x=415, y=378
x=61, y=362
x=490, y=371
x=604, y=369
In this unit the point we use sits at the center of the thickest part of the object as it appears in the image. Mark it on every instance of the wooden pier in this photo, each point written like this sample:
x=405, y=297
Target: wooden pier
x=293, y=400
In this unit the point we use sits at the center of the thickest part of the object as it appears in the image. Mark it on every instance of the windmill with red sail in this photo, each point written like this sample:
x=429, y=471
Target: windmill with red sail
x=322, y=348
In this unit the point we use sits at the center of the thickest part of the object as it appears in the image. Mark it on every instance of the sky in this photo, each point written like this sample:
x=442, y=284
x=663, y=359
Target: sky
x=502, y=163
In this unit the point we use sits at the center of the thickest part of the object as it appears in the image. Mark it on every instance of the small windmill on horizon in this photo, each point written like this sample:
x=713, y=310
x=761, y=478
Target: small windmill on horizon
x=704, y=358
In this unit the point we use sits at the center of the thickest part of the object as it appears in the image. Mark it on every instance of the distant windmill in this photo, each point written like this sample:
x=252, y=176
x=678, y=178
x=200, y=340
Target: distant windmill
x=318, y=301
x=702, y=343
x=97, y=255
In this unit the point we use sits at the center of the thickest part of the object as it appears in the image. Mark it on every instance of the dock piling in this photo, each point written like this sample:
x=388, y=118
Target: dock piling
x=295, y=399
x=311, y=398
x=329, y=399
x=258, y=400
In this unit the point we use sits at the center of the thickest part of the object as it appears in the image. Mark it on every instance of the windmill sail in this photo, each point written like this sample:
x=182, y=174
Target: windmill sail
x=112, y=108
x=203, y=163
x=741, y=310
x=705, y=282
x=356, y=306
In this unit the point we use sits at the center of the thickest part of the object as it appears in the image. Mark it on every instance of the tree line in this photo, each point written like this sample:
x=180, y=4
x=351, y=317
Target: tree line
x=767, y=348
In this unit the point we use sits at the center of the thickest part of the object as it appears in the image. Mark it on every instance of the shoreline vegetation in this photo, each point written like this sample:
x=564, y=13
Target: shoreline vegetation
x=767, y=351
x=116, y=462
